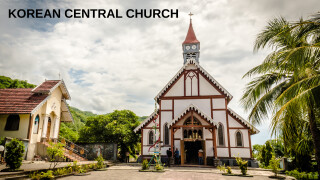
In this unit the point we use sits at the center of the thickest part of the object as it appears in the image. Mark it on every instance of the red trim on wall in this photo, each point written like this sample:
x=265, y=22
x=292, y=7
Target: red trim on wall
x=250, y=143
x=184, y=83
x=141, y=141
x=172, y=140
x=239, y=121
x=160, y=120
x=228, y=129
x=218, y=109
x=198, y=83
x=238, y=128
x=166, y=110
x=172, y=108
x=211, y=105
x=214, y=142
x=192, y=97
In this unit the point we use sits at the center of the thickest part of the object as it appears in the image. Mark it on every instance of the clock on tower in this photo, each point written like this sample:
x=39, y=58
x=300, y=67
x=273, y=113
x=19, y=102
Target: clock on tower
x=191, y=46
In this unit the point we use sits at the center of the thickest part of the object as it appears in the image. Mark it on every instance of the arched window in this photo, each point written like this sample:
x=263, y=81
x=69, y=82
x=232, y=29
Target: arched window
x=151, y=136
x=200, y=134
x=166, y=134
x=185, y=134
x=36, y=124
x=239, y=139
x=220, y=135
x=191, y=84
x=12, y=124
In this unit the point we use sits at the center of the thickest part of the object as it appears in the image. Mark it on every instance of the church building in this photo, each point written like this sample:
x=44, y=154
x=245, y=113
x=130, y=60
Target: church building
x=194, y=116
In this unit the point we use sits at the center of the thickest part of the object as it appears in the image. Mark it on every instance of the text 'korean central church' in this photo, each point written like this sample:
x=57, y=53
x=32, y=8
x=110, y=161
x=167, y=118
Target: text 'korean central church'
x=194, y=116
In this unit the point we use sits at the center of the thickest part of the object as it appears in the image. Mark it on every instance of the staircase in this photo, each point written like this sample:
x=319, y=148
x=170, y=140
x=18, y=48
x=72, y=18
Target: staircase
x=72, y=151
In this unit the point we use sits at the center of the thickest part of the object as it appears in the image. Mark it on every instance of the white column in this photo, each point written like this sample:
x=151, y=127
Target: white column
x=45, y=126
x=56, y=127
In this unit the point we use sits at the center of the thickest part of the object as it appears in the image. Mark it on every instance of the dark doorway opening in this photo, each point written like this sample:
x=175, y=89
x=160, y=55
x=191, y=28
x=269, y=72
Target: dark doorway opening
x=191, y=151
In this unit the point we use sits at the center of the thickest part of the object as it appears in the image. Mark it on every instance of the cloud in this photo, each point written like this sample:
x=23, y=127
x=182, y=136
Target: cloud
x=113, y=64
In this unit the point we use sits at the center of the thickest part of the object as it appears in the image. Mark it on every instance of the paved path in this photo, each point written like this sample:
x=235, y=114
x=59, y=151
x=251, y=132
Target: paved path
x=124, y=172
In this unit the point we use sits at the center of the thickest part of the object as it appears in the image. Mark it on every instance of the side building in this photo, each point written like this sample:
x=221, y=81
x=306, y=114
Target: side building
x=34, y=115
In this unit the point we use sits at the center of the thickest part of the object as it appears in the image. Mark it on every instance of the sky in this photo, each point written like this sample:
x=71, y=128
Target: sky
x=110, y=64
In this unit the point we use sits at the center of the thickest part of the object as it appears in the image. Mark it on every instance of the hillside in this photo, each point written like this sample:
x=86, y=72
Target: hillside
x=6, y=82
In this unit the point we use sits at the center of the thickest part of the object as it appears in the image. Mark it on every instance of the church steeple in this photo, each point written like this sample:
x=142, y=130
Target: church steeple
x=191, y=45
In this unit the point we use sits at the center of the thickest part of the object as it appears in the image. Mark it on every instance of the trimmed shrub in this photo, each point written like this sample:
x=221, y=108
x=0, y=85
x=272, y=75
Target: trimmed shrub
x=100, y=163
x=243, y=165
x=145, y=165
x=229, y=170
x=14, y=154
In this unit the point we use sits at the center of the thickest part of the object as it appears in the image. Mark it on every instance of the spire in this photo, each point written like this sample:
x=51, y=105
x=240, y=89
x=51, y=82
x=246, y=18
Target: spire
x=191, y=37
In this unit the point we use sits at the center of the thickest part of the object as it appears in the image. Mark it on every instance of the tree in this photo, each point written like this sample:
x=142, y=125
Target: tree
x=6, y=82
x=116, y=127
x=287, y=83
x=275, y=163
x=55, y=153
x=268, y=154
x=256, y=151
x=14, y=154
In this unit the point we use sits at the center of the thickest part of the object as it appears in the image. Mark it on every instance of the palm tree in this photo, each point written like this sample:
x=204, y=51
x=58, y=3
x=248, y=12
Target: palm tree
x=287, y=83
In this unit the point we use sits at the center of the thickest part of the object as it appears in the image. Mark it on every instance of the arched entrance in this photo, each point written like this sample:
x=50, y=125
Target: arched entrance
x=192, y=142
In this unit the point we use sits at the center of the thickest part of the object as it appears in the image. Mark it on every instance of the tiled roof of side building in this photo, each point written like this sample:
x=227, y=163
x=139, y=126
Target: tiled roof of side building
x=19, y=101
x=46, y=86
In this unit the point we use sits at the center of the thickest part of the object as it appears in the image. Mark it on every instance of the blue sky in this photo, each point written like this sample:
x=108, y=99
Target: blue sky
x=111, y=64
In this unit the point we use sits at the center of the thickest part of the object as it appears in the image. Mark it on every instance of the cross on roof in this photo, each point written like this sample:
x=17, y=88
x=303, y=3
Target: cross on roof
x=190, y=14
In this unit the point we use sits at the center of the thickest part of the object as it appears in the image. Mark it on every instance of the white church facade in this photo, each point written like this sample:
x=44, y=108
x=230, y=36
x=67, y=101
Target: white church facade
x=193, y=114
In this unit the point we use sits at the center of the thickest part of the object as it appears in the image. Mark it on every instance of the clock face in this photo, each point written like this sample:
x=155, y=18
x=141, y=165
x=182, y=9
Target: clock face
x=194, y=46
x=187, y=47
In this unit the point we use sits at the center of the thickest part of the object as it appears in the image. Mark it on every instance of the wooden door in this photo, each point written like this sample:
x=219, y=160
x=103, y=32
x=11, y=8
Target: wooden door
x=204, y=152
x=182, y=151
x=48, y=129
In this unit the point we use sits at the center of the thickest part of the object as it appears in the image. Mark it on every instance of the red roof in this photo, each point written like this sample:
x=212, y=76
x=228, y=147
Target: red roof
x=191, y=37
x=19, y=101
x=46, y=86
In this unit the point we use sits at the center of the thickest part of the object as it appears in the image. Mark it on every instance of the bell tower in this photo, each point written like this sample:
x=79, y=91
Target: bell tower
x=191, y=46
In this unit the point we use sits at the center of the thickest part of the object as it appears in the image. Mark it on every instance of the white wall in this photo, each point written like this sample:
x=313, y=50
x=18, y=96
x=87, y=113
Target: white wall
x=209, y=148
x=181, y=104
x=166, y=104
x=233, y=122
x=242, y=152
x=206, y=88
x=222, y=152
x=218, y=103
x=177, y=89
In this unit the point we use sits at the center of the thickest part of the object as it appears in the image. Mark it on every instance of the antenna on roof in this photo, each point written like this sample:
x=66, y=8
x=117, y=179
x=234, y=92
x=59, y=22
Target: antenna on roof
x=59, y=76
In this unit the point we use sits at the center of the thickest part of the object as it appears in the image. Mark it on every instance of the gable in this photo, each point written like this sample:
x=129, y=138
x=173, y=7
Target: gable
x=242, y=121
x=192, y=80
x=177, y=89
x=234, y=123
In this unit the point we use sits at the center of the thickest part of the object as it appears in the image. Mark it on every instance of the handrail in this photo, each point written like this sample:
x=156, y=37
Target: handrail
x=76, y=149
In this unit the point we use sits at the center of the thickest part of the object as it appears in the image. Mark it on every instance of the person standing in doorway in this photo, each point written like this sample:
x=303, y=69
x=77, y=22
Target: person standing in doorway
x=200, y=156
x=176, y=156
x=169, y=155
